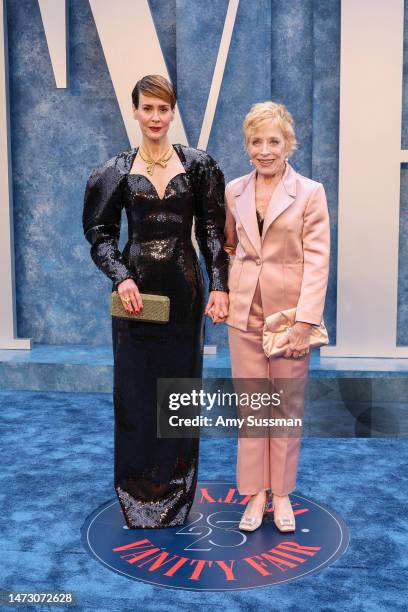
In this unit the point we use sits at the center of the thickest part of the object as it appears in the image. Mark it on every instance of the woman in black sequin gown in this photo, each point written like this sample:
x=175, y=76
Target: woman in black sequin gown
x=155, y=478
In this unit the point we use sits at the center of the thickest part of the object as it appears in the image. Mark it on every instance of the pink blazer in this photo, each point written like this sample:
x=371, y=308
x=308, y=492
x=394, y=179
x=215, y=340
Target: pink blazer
x=290, y=259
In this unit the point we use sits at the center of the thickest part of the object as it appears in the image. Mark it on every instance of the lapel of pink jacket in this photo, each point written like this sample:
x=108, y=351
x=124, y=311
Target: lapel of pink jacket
x=282, y=197
x=245, y=207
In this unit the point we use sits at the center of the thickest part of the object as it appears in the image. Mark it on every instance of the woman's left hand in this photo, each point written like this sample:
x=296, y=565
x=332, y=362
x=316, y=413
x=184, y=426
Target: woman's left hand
x=297, y=340
x=217, y=306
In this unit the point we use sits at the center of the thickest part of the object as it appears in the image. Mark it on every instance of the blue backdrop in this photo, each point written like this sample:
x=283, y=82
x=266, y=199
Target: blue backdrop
x=285, y=50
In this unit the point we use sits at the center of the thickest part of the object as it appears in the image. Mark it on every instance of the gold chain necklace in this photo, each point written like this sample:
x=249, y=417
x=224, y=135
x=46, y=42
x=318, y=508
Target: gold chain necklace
x=152, y=163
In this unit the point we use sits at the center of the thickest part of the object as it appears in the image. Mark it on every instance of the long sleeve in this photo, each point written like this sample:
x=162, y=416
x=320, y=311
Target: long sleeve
x=230, y=232
x=316, y=251
x=101, y=221
x=210, y=221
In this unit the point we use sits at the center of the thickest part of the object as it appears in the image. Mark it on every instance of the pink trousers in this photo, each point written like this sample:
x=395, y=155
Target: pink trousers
x=264, y=463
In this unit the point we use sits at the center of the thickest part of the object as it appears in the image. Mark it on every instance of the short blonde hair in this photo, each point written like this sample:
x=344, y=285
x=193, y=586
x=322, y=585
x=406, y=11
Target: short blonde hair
x=265, y=111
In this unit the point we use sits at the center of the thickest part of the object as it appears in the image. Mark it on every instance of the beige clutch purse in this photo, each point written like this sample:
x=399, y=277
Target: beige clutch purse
x=276, y=327
x=156, y=308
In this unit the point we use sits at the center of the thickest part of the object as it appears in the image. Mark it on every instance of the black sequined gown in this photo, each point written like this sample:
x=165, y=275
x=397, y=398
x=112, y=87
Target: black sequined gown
x=155, y=478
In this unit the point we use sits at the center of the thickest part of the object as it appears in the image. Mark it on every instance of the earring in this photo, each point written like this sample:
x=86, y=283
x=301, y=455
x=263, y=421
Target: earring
x=251, y=162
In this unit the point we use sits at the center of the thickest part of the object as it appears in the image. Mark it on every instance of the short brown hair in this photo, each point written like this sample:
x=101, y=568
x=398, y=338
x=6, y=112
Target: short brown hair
x=266, y=111
x=155, y=86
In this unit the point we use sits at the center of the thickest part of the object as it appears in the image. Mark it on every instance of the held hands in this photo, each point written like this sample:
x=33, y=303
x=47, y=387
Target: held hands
x=217, y=306
x=130, y=296
x=297, y=340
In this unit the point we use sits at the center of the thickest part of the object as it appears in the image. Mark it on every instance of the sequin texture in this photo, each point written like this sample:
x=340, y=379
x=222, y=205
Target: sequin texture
x=155, y=479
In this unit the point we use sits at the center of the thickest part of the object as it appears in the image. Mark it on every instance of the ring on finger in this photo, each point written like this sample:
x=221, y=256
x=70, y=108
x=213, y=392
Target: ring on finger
x=126, y=299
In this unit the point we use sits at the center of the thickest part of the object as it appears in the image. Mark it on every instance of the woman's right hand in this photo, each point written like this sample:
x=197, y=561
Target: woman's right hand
x=130, y=296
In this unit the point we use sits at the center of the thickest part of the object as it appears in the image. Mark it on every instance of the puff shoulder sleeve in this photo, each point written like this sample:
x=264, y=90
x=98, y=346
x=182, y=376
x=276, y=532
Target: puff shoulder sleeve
x=230, y=232
x=101, y=221
x=210, y=221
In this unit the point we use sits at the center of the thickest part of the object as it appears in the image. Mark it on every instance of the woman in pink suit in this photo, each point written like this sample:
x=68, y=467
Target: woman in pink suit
x=277, y=234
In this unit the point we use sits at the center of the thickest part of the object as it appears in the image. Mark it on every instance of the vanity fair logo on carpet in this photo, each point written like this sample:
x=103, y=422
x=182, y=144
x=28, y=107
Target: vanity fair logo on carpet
x=209, y=552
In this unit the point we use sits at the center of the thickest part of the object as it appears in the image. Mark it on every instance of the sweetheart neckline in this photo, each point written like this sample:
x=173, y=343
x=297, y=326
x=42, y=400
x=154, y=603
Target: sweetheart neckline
x=152, y=184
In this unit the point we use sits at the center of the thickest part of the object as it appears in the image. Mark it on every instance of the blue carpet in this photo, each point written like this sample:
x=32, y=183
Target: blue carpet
x=57, y=468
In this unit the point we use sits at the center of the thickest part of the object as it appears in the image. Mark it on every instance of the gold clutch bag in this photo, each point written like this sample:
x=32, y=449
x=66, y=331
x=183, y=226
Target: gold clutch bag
x=156, y=308
x=276, y=327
